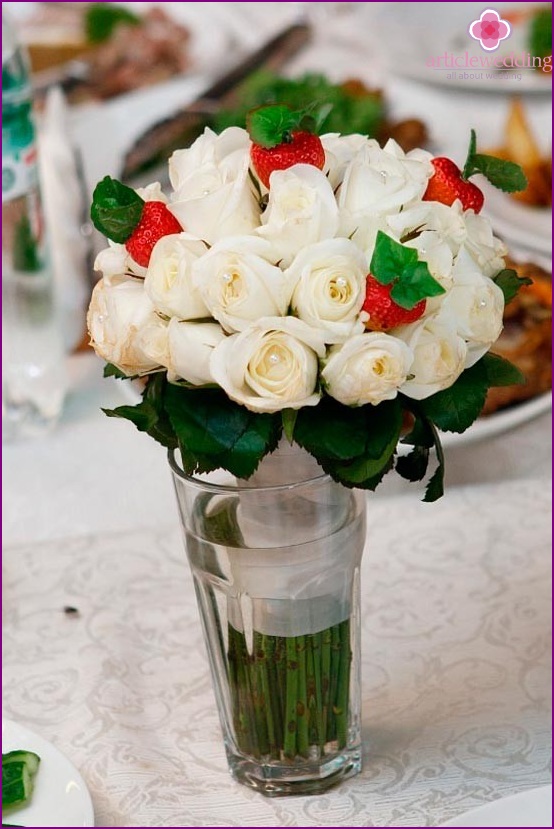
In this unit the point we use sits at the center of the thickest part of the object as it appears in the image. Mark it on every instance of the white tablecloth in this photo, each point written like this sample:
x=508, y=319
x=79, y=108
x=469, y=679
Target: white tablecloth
x=455, y=667
x=455, y=594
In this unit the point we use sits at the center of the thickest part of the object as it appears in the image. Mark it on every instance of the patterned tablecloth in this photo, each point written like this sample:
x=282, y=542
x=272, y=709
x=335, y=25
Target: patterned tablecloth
x=455, y=649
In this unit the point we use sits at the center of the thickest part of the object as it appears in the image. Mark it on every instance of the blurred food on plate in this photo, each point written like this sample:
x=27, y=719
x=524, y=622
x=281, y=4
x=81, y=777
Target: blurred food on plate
x=119, y=50
x=526, y=339
x=355, y=108
x=537, y=20
x=520, y=145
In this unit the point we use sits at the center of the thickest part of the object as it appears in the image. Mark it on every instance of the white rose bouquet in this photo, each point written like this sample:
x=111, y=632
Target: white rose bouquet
x=339, y=293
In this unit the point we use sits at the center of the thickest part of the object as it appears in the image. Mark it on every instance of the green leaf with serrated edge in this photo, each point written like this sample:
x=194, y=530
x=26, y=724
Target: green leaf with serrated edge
x=510, y=282
x=505, y=175
x=501, y=372
x=390, y=258
x=288, y=417
x=362, y=473
x=216, y=432
x=384, y=423
x=415, y=284
x=113, y=371
x=271, y=125
x=116, y=209
x=148, y=415
x=332, y=430
x=472, y=149
x=454, y=409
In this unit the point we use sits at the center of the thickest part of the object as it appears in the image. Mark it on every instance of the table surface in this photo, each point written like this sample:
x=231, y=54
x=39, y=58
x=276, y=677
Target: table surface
x=455, y=595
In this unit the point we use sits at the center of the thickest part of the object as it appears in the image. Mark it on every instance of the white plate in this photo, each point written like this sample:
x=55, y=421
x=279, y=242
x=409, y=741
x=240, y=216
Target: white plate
x=517, y=223
x=61, y=797
x=532, y=808
x=411, y=33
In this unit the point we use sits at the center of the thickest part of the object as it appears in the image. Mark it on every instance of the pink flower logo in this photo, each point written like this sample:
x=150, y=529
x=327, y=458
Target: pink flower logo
x=489, y=30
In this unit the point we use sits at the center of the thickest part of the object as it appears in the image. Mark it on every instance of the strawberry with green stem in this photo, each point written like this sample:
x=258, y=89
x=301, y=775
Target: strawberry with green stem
x=281, y=138
x=123, y=216
x=397, y=286
x=449, y=183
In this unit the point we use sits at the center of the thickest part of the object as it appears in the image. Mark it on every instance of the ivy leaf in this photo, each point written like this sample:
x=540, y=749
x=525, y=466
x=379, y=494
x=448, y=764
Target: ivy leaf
x=116, y=209
x=510, y=282
x=214, y=432
x=269, y=126
x=390, y=258
x=397, y=264
x=506, y=175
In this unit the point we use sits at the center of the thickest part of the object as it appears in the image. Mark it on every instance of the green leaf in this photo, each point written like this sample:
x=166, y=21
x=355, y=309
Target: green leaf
x=102, y=18
x=288, y=417
x=413, y=466
x=435, y=487
x=149, y=415
x=398, y=264
x=415, y=284
x=501, y=372
x=116, y=209
x=113, y=371
x=540, y=33
x=510, y=282
x=454, y=409
x=331, y=430
x=506, y=175
x=390, y=259
x=472, y=149
x=269, y=126
x=214, y=432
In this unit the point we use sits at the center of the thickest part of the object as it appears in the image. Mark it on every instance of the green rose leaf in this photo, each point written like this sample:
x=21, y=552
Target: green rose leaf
x=214, y=432
x=510, y=282
x=149, y=415
x=116, y=209
x=501, y=372
x=454, y=409
x=113, y=371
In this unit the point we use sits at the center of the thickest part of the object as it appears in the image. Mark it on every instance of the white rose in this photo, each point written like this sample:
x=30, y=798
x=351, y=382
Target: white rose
x=437, y=234
x=117, y=314
x=474, y=306
x=270, y=366
x=239, y=284
x=115, y=260
x=486, y=250
x=439, y=357
x=368, y=368
x=190, y=347
x=339, y=152
x=379, y=181
x=214, y=196
x=169, y=281
x=301, y=210
x=330, y=279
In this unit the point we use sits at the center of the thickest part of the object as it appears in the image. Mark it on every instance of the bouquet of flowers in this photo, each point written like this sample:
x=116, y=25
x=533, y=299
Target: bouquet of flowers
x=321, y=291
x=322, y=288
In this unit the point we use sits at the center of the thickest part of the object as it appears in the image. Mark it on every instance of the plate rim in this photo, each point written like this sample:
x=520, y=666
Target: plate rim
x=87, y=805
x=492, y=804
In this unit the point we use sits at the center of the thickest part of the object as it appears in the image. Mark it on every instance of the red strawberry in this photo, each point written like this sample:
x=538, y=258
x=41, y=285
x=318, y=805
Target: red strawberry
x=155, y=221
x=303, y=148
x=447, y=184
x=384, y=312
x=280, y=140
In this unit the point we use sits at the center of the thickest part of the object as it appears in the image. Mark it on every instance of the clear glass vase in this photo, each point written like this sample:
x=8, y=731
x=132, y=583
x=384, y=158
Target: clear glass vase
x=275, y=561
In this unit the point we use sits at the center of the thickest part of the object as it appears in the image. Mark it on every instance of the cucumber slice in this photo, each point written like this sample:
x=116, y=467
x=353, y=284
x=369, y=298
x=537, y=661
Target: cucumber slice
x=18, y=771
x=30, y=759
